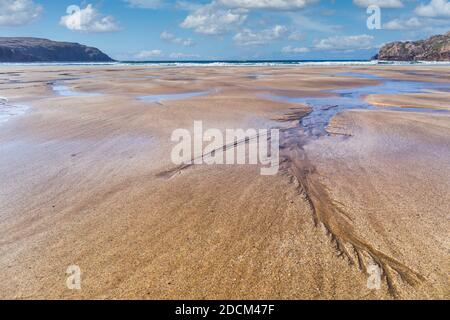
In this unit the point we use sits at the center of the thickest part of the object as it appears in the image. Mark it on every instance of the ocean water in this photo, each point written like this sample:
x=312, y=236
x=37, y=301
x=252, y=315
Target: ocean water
x=225, y=63
x=274, y=63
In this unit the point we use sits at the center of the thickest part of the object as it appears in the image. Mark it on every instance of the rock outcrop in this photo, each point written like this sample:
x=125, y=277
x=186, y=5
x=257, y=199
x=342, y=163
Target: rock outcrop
x=436, y=48
x=43, y=50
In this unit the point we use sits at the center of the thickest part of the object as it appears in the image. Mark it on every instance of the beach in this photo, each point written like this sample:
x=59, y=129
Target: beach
x=87, y=180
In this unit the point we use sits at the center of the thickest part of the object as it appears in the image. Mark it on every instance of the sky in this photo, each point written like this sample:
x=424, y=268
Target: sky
x=227, y=29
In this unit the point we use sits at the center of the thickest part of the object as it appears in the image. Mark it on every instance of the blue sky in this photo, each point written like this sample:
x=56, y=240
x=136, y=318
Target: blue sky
x=225, y=29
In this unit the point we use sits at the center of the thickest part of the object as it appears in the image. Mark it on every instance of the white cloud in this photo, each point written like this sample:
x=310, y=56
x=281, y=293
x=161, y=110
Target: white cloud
x=145, y=4
x=18, y=12
x=430, y=18
x=221, y=16
x=187, y=5
x=293, y=50
x=148, y=54
x=212, y=19
x=157, y=54
x=436, y=8
x=182, y=56
x=169, y=37
x=297, y=36
x=247, y=37
x=380, y=3
x=307, y=23
x=357, y=42
x=399, y=24
x=268, y=4
x=88, y=19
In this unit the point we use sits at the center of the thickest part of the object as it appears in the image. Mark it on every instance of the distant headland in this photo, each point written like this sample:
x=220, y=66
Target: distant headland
x=44, y=50
x=436, y=48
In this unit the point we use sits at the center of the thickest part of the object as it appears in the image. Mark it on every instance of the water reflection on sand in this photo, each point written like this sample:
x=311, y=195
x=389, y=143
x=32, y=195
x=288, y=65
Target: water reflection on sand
x=173, y=96
x=325, y=108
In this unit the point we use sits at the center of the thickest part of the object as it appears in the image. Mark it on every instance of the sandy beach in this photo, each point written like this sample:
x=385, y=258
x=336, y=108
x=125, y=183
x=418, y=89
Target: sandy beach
x=84, y=174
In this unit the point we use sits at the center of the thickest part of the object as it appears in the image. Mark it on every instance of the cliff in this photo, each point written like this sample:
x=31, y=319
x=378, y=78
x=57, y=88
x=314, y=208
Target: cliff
x=43, y=50
x=436, y=48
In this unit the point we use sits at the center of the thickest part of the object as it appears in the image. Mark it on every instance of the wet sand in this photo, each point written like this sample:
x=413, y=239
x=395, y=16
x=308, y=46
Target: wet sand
x=83, y=183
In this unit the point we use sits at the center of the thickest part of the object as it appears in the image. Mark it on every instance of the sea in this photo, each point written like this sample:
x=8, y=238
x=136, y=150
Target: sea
x=228, y=63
